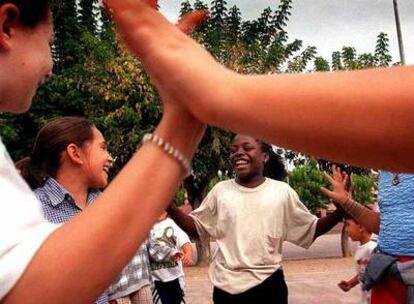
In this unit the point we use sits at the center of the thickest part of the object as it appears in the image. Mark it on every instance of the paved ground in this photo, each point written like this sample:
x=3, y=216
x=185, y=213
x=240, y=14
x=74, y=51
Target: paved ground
x=311, y=275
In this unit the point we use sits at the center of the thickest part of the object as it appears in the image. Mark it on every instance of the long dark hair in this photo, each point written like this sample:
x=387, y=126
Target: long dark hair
x=50, y=142
x=32, y=12
x=275, y=166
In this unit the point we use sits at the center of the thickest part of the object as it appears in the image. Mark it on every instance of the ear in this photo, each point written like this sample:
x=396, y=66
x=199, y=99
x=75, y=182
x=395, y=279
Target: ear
x=266, y=157
x=9, y=20
x=75, y=154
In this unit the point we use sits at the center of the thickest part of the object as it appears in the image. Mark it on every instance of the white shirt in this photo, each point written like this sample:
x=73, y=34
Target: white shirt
x=250, y=226
x=361, y=257
x=167, y=233
x=22, y=226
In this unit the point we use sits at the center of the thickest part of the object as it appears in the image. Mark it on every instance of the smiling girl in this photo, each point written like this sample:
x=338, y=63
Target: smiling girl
x=68, y=165
x=250, y=217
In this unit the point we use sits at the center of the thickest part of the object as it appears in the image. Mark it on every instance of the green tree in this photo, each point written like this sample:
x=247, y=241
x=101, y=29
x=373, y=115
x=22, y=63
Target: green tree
x=382, y=55
x=185, y=8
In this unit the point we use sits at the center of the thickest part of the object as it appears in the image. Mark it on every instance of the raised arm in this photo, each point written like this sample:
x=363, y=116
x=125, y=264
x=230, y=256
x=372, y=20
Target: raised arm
x=85, y=255
x=368, y=218
x=343, y=116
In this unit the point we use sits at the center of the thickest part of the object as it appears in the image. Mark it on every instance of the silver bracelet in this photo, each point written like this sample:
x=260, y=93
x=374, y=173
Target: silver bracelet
x=169, y=149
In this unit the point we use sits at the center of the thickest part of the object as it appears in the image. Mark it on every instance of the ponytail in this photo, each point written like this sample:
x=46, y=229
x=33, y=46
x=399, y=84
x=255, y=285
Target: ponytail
x=30, y=172
x=275, y=166
x=50, y=142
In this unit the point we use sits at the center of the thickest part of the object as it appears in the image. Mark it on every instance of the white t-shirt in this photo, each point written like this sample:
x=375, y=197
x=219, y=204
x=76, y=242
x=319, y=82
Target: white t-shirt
x=361, y=257
x=250, y=226
x=22, y=226
x=167, y=233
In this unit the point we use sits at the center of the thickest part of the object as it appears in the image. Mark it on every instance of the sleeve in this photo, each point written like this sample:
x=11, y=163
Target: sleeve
x=23, y=228
x=205, y=217
x=300, y=224
x=182, y=237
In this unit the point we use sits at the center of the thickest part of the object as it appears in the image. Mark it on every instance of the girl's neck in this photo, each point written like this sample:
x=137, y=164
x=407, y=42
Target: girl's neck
x=365, y=239
x=251, y=182
x=75, y=186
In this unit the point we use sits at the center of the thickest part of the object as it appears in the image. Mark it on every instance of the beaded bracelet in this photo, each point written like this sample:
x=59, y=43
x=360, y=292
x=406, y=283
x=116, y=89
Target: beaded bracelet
x=169, y=149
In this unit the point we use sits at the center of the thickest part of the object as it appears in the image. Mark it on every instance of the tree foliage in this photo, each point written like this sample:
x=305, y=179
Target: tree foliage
x=307, y=179
x=96, y=78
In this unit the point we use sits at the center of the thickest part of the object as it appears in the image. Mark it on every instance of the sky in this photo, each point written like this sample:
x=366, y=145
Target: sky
x=331, y=24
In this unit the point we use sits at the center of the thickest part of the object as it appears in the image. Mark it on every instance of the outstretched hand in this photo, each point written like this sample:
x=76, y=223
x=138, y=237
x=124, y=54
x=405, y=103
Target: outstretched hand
x=165, y=51
x=339, y=182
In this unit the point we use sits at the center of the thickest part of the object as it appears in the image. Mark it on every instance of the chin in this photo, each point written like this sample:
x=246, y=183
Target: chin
x=16, y=107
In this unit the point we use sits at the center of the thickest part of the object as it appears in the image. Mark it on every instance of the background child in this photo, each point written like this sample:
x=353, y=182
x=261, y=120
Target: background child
x=360, y=234
x=133, y=286
x=169, y=285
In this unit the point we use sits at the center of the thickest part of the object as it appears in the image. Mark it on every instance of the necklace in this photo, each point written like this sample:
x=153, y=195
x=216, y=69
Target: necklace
x=395, y=180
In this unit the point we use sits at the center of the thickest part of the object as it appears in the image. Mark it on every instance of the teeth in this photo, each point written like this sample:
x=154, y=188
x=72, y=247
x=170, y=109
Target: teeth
x=241, y=162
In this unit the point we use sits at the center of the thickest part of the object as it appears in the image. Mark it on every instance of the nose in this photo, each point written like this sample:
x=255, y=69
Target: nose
x=110, y=159
x=48, y=75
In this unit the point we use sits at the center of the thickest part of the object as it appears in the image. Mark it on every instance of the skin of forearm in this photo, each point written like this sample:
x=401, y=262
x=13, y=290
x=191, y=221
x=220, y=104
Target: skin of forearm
x=184, y=221
x=326, y=223
x=316, y=113
x=368, y=218
x=84, y=256
x=354, y=281
x=187, y=249
x=329, y=110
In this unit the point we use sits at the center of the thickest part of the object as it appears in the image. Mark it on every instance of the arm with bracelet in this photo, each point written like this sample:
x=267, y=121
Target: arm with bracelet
x=368, y=218
x=107, y=234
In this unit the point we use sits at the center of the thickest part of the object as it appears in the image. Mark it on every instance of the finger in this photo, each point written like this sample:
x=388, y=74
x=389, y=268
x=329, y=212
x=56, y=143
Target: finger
x=344, y=180
x=351, y=187
x=337, y=173
x=138, y=24
x=191, y=20
x=327, y=192
x=329, y=178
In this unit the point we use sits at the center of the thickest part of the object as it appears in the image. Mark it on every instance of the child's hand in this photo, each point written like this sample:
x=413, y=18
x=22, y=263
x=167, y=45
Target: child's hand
x=339, y=183
x=187, y=260
x=345, y=285
x=178, y=256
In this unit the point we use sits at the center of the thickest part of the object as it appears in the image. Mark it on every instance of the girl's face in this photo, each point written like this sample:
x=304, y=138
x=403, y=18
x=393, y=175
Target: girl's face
x=98, y=161
x=27, y=64
x=247, y=157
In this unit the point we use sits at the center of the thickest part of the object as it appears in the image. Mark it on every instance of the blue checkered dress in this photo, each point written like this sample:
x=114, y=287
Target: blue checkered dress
x=59, y=207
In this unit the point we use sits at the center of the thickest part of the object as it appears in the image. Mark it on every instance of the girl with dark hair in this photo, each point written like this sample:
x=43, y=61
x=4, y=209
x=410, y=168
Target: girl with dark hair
x=68, y=165
x=45, y=263
x=250, y=217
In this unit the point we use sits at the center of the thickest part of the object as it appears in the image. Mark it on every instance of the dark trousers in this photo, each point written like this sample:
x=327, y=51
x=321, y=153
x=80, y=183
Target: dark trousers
x=169, y=292
x=273, y=290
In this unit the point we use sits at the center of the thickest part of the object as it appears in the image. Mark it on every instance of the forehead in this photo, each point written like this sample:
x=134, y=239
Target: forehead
x=240, y=139
x=350, y=222
x=97, y=135
x=45, y=28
